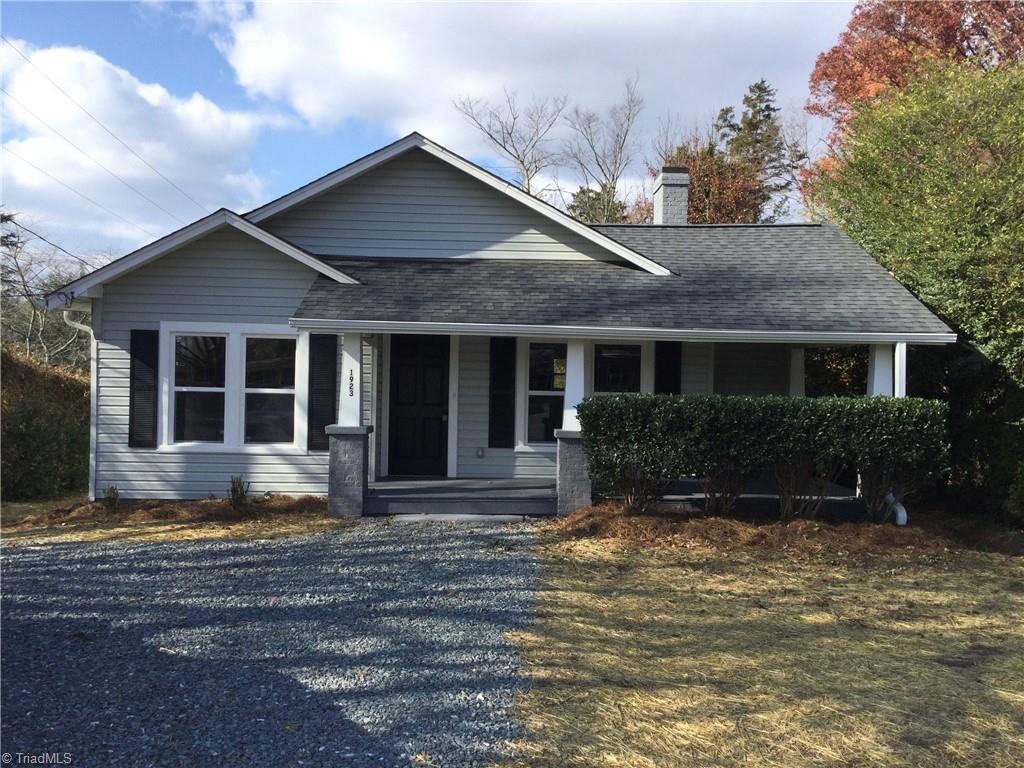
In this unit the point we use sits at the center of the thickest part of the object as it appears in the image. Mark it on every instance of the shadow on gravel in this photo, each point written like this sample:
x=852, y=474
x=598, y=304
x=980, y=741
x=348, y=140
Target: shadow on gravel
x=376, y=646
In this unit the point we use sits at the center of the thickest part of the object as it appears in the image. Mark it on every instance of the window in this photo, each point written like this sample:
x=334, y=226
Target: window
x=199, y=389
x=233, y=387
x=545, y=392
x=269, y=390
x=616, y=368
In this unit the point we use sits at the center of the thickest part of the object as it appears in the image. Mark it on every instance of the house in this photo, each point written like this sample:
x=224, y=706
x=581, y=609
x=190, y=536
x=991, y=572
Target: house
x=439, y=322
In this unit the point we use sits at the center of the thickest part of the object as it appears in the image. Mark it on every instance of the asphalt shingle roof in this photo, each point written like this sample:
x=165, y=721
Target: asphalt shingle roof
x=759, y=278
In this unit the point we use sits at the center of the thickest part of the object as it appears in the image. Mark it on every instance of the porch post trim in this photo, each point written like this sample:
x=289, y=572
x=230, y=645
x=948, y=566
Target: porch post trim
x=350, y=406
x=900, y=384
x=880, y=373
x=575, y=356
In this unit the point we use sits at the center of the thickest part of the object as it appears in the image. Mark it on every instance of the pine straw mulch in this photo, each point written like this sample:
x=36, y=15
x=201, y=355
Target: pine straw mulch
x=160, y=520
x=666, y=641
x=931, y=532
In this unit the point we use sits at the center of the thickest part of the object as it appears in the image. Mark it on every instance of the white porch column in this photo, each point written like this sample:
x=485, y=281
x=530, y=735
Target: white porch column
x=900, y=386
x=796, y=372
x=350, y=411
x=574, y=378
x=880, y=360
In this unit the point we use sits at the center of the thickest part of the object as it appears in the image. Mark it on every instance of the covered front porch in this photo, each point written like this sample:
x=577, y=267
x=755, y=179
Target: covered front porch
x=481, y=423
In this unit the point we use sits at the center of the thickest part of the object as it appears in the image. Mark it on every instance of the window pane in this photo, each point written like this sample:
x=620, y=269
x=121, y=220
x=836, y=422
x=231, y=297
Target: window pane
x=616, y=368
x=545, y=417
x=199, y=361
x=270, y=363
x=269, y=418
x=199, y=416
x=547, y=367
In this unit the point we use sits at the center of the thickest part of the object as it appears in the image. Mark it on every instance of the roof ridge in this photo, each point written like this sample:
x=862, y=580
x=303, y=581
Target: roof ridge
x=712, y=226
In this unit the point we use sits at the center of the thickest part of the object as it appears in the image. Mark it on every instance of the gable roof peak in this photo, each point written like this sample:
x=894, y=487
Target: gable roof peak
x=416, y=140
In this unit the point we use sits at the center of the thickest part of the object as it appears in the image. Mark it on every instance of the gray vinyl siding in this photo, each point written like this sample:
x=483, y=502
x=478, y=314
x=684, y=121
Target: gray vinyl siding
x=752, y=369
x=225, y=277
x=417, y=206
x=698, y=361
x=474, y=385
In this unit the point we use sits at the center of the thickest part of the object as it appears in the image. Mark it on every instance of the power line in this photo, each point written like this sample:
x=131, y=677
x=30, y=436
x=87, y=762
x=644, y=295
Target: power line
x=81, y=195
x=117, y=138
x=18, y=224
x=134, y=189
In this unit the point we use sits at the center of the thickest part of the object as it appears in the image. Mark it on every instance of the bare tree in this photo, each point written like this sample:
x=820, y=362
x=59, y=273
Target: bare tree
x=601, y=149
x=518, y=131
x=27, y=274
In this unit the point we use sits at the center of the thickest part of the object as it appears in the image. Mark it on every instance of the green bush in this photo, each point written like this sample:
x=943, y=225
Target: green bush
x=639, y=444
x=44, y=429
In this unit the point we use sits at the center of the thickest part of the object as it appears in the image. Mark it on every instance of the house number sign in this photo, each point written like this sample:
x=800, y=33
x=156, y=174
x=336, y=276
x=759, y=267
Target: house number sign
x=351, y=382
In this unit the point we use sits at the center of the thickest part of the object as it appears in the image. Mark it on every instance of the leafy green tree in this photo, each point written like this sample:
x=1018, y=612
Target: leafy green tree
x=930, y=180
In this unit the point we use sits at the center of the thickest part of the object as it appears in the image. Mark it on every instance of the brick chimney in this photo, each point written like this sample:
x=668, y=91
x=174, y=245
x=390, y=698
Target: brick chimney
x=671, y=192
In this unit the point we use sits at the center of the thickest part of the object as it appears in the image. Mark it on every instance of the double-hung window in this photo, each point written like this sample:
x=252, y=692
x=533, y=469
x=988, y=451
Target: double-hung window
x=269, y=390
x=234, y=387
x=200, y=364
x=545, y=397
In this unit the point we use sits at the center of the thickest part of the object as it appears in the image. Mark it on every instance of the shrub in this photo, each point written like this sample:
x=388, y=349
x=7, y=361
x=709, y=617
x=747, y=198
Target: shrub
x=622, y=437
x=238, y=491
x=44, y=429
x=111, y=499
x=638, y=444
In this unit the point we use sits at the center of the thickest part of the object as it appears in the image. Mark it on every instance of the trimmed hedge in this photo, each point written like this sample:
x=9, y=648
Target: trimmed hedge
x=640, y=444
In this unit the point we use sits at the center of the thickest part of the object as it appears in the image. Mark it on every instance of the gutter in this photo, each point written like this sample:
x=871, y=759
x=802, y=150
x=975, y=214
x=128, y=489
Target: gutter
x=647, y=334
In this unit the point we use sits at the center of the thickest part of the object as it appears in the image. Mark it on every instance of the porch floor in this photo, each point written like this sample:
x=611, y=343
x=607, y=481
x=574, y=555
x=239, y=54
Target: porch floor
x=528, y=497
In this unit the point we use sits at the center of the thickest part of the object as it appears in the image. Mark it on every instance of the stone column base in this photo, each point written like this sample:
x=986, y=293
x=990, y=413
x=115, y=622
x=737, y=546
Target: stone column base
x=574, y=489
x=347, y=471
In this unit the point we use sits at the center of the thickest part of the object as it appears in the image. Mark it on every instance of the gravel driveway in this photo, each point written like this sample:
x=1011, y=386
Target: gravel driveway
x=381, y=645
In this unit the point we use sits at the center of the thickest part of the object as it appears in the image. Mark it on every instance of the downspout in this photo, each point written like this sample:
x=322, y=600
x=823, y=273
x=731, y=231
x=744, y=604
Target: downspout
x=93, y=372
x=66, y=314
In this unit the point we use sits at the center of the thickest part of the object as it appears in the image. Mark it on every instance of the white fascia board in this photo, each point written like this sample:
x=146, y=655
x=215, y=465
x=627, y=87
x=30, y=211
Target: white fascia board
x=651, y=334
x=91, y=285
x=416, y=141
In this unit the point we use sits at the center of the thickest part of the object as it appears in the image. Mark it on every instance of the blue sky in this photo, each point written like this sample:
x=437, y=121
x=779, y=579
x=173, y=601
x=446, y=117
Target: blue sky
x=239, y=103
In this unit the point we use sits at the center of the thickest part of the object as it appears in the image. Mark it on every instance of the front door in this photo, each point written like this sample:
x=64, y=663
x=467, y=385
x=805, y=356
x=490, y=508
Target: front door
x=418, y=418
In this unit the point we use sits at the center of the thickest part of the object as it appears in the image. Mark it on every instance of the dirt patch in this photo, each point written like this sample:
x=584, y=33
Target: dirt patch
x=931, y=533
x=175, y=519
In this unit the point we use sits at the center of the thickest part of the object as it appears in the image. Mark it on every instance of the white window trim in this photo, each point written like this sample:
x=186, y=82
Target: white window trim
x=523, y=395
x=234, y=387
x=522, y=380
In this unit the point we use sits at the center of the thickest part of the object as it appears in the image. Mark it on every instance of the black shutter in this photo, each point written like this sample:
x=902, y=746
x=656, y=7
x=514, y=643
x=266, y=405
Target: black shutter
x=668, y=368
x=323, y=389
x=501, y=425
x=142, y=388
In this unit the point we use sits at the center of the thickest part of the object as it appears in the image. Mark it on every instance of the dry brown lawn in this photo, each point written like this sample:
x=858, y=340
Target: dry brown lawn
x=75, y=519
x=663, y=642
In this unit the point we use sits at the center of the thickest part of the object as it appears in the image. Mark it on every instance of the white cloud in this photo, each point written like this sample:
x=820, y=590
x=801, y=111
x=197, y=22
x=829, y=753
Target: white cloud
x=203, y=148
x=401, y=65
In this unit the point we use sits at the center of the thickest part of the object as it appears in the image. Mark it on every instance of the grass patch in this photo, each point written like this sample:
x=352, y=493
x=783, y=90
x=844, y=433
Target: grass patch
x=665, y=642
x=158, y=520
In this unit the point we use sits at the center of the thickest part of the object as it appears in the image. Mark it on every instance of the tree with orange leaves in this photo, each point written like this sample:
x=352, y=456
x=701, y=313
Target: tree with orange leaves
x=887, y=41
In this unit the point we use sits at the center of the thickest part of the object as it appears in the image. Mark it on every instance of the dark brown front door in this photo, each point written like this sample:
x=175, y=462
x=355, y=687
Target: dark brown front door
x=418, y=419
